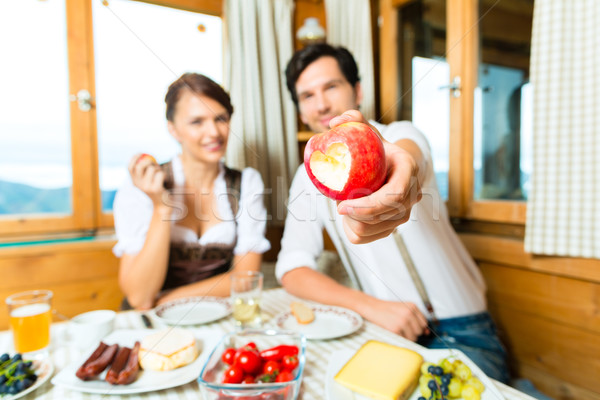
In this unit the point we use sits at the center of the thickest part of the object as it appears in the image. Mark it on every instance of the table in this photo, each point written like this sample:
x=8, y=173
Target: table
x=274, y=301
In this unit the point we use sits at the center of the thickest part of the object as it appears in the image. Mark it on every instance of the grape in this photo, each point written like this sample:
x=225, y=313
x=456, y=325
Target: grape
x=476, y=383
x=425, y=366
x=421, y=398
x=463, y=372
x=446, y=365
x=432, y=385
x=12, y=390
x=4, y=358
x=446, y=378
x=454, y=387
x=20, y=370
x=444, y=390
x=468, y=392
x=438, y=371
x=27, y=383
x=19, y=385
x=17, y=357
x=425, y=391
x=425, y=378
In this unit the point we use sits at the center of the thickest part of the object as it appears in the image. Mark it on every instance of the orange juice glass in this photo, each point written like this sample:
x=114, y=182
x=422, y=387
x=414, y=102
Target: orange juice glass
x=30, y=317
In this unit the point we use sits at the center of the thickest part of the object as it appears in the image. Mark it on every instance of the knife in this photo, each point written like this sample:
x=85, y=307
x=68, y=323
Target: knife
x=147, y=322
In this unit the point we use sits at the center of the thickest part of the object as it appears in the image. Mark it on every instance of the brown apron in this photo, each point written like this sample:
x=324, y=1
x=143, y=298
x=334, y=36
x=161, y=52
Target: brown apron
x=193, y=262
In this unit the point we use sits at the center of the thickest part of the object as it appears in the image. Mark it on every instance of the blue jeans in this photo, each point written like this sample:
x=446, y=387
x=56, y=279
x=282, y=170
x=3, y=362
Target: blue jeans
x=475, y=335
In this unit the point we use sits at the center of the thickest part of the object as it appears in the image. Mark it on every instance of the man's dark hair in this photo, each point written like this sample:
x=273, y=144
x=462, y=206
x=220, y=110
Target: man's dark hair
x=303, y=58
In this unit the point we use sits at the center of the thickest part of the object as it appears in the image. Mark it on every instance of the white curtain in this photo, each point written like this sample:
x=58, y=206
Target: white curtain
x=563, y=210
x=258, y=45
x=349, y=25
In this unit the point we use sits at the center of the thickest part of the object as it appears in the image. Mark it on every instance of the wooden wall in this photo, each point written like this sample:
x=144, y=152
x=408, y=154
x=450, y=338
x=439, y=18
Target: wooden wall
x=82, y=275
x=548, y=312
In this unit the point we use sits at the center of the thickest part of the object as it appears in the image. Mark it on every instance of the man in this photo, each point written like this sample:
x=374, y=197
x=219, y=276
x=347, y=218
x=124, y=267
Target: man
x=324, y=83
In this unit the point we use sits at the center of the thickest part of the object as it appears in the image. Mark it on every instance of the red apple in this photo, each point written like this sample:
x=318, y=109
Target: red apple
x=148, y=156
x=346, y=162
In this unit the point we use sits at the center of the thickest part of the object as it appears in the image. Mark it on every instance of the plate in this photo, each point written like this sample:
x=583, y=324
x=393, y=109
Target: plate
x=329, y=323
x=335, y=391
x=44, y=370
x=193, y=310
x=147, y=381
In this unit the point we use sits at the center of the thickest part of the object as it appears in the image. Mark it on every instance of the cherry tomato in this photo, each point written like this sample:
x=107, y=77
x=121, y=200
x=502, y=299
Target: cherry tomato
x=248, y=379
x=233, y=374
x=289, y=362
x=228, y=356
x=284, y=376
x=278, y=352
x=271, y=367
x=248, y=360
x=250, y=345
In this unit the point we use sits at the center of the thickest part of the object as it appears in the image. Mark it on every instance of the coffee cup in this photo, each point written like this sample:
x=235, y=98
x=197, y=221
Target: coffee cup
x=87, y=329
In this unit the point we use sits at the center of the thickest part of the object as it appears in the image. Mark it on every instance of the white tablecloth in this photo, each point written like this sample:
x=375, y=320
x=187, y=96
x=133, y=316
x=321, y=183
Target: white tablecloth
x=273, y=302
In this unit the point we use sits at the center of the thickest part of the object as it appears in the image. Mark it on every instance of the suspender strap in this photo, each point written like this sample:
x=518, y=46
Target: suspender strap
x=414, y=275
x=410, y=265
x=344, y=252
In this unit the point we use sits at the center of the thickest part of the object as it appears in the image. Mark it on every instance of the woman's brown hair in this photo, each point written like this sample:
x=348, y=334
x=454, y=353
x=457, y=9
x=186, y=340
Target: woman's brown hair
x=197, y=84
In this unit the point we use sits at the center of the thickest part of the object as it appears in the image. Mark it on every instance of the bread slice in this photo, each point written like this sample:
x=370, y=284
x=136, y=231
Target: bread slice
x=167, y=349
x=303, y=313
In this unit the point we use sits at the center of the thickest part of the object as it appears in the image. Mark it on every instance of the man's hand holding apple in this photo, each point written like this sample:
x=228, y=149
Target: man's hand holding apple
x=389, y=201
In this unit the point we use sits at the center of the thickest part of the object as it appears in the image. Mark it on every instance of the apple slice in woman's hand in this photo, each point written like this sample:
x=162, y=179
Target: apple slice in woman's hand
x=346, y=162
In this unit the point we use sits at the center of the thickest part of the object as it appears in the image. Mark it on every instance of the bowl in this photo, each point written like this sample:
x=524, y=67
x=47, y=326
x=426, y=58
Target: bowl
x=211, y=377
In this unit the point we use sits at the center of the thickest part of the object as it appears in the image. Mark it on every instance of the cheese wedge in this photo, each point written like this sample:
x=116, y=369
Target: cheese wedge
x=167, y=349
x=381, y=371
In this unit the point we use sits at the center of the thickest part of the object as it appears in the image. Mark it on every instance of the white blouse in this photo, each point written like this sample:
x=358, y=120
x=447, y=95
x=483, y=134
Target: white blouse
x=133, y=211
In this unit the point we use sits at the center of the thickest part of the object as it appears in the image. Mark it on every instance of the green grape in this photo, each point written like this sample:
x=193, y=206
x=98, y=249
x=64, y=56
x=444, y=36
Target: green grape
x=446, y=365
x=425, y=391
x=456, y=363
x=424, y=367
x=425, y=378
x=476, y=383
x=454, y=387
x=462, y=371
x=469, y=392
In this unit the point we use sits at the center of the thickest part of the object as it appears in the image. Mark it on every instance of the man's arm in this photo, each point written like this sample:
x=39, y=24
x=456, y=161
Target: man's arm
x=376, y=216
x=402, y=318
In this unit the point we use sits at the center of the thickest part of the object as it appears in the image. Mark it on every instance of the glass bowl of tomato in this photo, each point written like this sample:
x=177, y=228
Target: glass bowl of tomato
x=255, y=365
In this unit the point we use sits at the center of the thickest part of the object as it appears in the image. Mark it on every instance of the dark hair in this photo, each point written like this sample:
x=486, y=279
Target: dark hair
x=197, y=84
x=303, y=58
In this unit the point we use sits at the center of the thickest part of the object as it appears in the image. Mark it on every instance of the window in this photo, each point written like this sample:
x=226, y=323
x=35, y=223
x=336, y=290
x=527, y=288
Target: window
x=481, y=134
x=35, y=155
x=80, y=99
x=135, y=63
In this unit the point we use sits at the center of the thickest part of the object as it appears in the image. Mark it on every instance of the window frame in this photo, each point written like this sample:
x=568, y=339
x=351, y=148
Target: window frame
x=462, y=48
x=87, y=216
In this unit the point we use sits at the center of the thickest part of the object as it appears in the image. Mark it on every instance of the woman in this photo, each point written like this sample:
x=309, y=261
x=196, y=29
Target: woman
x=184, y=226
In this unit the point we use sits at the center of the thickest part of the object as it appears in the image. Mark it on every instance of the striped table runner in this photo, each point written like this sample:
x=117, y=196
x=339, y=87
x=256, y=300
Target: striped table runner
x=274, y=302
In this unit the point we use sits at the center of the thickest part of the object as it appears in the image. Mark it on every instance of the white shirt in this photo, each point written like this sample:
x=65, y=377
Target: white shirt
x=133, y=211
x=453, y=282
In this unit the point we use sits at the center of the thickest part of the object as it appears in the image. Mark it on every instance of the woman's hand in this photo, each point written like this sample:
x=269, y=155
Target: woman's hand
x=147, y=176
